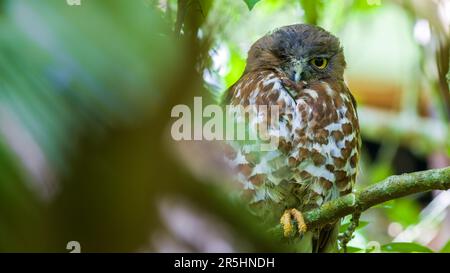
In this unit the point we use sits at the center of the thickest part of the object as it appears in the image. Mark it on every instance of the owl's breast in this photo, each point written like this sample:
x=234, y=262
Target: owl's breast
x=325, y=140
x=318, y=141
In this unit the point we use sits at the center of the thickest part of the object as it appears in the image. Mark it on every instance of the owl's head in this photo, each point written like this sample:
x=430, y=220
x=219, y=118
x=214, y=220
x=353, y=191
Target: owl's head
x=303, y=52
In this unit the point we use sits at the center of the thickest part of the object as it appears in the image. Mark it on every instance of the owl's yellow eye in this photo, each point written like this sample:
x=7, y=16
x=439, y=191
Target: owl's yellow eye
x=319, y=62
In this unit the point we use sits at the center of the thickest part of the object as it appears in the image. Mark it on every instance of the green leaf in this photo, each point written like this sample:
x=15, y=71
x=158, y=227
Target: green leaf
x=366, y=5
x=405, y=248
x=251, y=3
x=345, y=226
x=446, y=248
x=351, y=249
x=237, y=66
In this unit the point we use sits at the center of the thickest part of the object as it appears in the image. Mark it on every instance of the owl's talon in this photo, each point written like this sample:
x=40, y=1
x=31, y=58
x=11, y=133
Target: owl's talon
x=300, y=221
x=285, y=221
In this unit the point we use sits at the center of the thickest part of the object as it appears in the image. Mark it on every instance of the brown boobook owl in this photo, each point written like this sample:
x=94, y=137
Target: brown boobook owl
x=298, y=68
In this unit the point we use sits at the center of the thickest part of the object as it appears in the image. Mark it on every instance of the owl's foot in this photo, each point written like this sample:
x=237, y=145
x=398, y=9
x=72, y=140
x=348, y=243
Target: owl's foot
x=286, y=218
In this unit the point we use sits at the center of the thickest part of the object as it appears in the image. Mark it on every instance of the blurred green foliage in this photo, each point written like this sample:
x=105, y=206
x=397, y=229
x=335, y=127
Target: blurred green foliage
x=446, y=248
x=405, y=248
x=404, y=211
x=85, y=99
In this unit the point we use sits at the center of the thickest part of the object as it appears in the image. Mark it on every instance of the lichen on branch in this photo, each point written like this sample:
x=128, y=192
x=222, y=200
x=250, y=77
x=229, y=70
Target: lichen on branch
x=391, y=188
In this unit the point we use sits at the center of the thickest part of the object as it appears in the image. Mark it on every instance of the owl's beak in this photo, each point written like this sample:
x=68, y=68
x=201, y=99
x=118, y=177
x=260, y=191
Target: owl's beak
x=298, y=70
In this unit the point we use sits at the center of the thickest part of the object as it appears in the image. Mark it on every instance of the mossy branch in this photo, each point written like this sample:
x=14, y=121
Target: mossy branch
x=391, y=188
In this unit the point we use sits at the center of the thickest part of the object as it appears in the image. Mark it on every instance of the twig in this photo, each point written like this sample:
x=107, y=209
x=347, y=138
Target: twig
x=391, y=188
x=347, y=236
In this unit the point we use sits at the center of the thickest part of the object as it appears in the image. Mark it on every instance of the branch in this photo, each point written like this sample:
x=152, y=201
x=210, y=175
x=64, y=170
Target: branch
x=391, y=188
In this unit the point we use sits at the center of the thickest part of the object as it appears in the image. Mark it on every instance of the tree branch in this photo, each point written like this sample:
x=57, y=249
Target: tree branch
x=391, y=188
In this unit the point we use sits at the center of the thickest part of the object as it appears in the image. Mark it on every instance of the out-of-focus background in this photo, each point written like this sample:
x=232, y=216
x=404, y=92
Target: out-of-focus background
x=86, y=93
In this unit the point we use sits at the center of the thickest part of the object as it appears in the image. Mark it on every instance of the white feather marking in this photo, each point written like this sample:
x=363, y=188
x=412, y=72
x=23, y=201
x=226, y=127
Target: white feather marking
x=316, y=187
x=240, y=159
x=330, y=92
x=335, y=126
x=319, y=172
x=312, y=93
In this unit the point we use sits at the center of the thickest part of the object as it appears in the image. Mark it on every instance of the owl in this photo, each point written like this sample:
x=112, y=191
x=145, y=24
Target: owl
x=299, y=69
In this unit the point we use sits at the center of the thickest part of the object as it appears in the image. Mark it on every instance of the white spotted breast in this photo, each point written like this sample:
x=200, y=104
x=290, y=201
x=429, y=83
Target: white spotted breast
x=318, y=140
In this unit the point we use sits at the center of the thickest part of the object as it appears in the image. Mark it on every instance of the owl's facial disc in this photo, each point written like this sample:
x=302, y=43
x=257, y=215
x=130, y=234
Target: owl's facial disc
x=302, y=52
x=295, y=70
x=301, y=68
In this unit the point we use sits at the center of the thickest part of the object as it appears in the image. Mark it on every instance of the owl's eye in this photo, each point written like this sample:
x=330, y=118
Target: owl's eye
x=320, y=62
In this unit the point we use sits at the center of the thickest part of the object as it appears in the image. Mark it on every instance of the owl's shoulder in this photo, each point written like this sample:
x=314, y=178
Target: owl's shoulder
x=258, y=88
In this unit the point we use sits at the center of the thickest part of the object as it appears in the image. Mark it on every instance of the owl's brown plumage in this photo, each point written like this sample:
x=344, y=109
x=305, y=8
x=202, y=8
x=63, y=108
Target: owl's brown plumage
x=300, y=69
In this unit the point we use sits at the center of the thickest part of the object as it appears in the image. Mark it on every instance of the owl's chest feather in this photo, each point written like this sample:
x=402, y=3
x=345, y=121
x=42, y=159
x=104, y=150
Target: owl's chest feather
x=317, y=153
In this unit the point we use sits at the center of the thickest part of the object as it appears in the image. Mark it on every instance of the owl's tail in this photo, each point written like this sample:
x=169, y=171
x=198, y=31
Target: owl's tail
x=319, y=241
x=326, y=239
